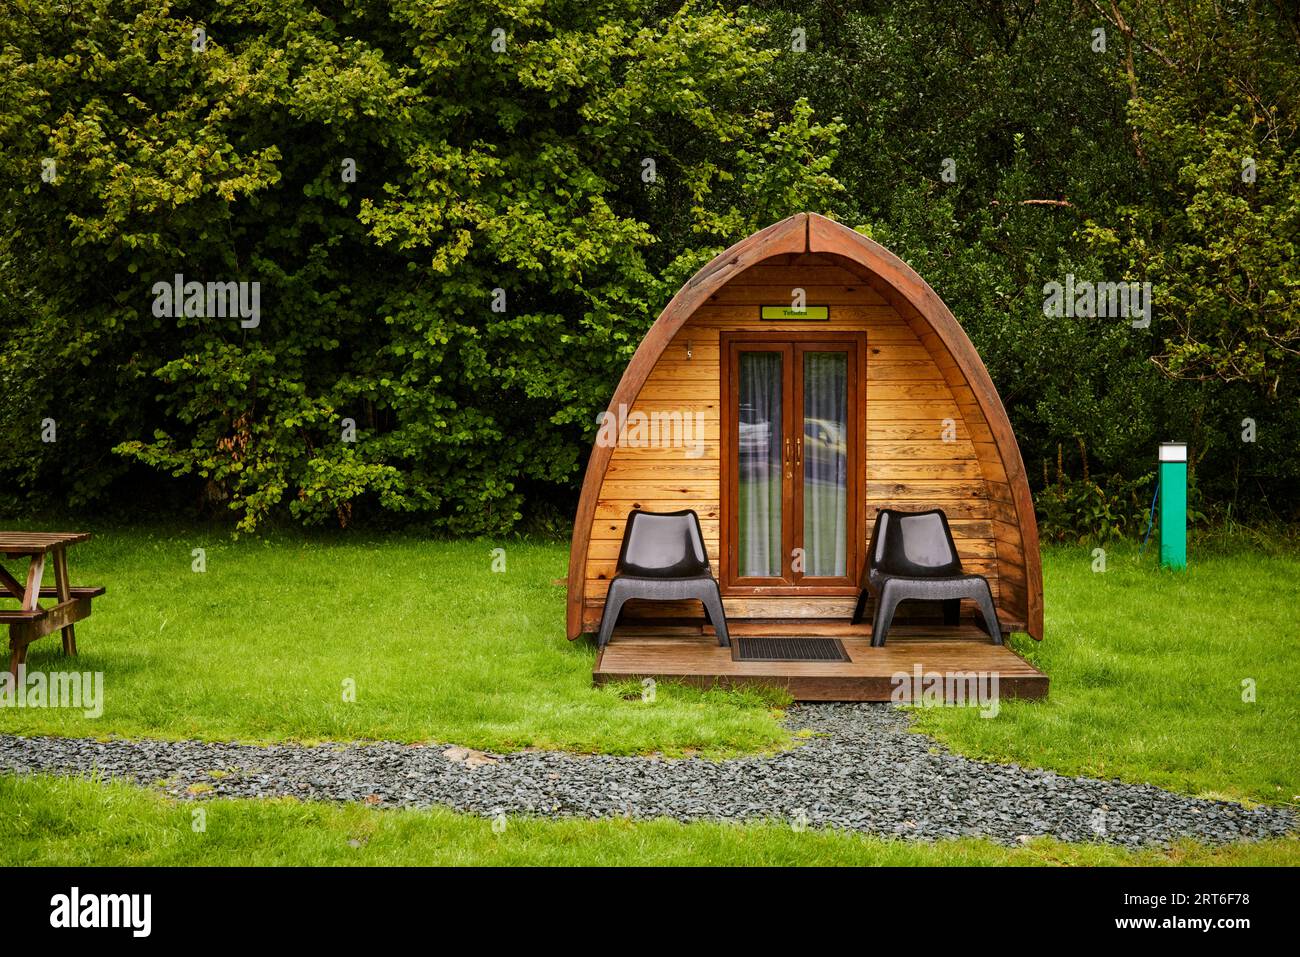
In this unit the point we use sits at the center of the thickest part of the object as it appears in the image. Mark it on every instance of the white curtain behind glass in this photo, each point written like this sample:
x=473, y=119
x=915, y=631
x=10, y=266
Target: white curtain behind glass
x=825, y=462
x=758, y=461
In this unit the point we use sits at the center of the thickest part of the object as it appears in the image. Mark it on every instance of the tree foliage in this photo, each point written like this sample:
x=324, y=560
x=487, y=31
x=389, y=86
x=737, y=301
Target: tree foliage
x=1103, y=141
x=501, y=155
x=533, y=181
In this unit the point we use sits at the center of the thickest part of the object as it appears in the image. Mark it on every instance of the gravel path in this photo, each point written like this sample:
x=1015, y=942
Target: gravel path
x=862, y=770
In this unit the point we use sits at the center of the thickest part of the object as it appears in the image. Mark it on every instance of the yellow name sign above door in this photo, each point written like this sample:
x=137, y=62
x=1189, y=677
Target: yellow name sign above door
x=807, y=313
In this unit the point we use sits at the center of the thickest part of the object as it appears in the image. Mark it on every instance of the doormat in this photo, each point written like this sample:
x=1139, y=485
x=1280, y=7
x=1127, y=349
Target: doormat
x=788, y=649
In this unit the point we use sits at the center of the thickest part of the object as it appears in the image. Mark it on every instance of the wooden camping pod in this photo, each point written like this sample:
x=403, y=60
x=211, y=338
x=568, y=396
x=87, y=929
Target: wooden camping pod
x=927, y=426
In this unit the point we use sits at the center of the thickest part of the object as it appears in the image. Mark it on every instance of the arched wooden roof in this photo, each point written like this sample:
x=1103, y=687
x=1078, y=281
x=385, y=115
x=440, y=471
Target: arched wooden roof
x=905, y=289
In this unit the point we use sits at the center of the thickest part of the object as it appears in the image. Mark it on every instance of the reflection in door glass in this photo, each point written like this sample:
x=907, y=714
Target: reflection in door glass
x=825, y=463
x=758, y=462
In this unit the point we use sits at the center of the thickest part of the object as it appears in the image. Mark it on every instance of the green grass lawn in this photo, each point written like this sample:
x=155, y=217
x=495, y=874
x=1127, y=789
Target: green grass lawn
x=71, y=822
x=436, y=644
x=1147, y=670
x=1146, y=666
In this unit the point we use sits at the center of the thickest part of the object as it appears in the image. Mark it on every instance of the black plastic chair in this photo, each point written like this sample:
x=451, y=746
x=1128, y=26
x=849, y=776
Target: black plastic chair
x=663, y=559
x=912, y=556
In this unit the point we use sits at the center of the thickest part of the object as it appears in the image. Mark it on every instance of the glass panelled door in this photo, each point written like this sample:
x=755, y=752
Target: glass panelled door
x=761, y=451
x=824, y=450
x=791, y=512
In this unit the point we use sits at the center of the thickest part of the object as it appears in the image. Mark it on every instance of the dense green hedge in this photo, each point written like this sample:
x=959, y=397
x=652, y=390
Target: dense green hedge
x=533, y=182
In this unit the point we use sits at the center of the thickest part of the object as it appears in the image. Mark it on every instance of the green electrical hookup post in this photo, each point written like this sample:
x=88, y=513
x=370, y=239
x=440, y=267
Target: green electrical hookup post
x=1173, y=504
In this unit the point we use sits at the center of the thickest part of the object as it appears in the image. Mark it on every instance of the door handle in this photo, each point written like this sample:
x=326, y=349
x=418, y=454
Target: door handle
x=798, y=454
x=788, y=472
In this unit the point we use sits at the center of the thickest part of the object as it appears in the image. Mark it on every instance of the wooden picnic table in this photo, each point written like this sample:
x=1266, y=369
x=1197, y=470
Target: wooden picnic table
x=30, y=620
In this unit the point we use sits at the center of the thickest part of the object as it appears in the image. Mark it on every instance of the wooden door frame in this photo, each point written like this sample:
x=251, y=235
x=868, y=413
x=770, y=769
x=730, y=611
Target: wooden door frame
x=792, y=428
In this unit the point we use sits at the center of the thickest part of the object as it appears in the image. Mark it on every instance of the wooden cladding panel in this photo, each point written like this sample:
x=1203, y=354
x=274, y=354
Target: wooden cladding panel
x=907, y=370
x=1009, y=546
x=790, y=275
x=604, y=551
x=853, y=295
x=679, y=393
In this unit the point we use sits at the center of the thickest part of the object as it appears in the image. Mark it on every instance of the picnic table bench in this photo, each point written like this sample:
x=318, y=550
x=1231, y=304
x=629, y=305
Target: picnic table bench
x=30, y=620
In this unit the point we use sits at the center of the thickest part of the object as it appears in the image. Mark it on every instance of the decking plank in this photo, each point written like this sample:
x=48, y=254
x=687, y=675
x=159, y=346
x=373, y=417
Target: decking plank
x=868, y=676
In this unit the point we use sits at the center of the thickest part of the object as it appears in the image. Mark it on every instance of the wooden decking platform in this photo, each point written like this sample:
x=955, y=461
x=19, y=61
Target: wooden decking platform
x=919, y=652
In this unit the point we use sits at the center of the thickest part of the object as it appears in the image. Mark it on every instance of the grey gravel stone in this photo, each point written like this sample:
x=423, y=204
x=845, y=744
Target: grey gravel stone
x=862, y=770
